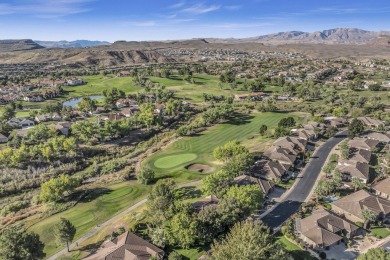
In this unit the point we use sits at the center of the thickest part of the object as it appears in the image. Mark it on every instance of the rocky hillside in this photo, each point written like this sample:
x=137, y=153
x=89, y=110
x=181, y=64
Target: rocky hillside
x=85, y=57
x=18, y=45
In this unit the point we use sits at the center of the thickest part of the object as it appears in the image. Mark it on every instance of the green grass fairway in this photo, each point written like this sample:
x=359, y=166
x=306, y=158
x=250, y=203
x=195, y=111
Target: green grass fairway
x=96, y=208
x=380, y=232
x=174, y=160
x=243, y=128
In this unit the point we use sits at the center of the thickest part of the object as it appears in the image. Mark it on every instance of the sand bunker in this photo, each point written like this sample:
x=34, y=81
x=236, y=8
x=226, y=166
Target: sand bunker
x=199, y=168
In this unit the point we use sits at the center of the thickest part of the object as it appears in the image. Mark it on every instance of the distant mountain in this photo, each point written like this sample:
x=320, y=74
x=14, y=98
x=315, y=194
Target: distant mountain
x=18, y=45
x=71, y=44
x=331, y=36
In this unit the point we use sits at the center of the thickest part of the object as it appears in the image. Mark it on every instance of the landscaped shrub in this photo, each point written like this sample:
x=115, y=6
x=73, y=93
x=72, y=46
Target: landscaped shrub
x=359, y=224
x=322, y=255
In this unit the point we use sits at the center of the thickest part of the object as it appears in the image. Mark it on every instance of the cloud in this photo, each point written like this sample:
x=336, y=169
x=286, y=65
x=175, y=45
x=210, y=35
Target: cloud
x=45, y=8
x=177, y=5
x=201, y=9
x=236, y=26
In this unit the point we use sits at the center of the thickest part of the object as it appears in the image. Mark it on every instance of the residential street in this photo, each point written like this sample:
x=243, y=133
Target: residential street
x=305, y=183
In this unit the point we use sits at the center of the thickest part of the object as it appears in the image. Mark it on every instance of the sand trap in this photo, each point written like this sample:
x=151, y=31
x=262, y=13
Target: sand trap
x=199, y=168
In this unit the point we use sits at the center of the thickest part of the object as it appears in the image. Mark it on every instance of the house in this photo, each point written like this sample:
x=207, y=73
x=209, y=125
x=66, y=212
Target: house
x=335, y=122
x=125, y=102
x=251, y=96
x=307, y=134
x=282, y=155
x=63, y=128
x=265, y=185
x=20, y=122
x=360, y=155
x=382, y=188
x=33, y=98
x=350, y=169
x=48, y=117
x=128, y=112
x=381, y=137
x=127, y=246
x=208, y=201
x=323, y=229
x=75, y=82
x=3, y=138
x=269, y=170
x=351, y=206
x=363, y=143
x=371, y=122
x=294, y=144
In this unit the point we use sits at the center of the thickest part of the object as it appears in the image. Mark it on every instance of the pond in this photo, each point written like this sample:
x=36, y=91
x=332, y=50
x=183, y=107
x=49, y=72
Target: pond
x=74, y=101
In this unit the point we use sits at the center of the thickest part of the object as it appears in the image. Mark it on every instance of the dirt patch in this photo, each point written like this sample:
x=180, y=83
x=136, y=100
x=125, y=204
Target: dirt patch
x=199, y=168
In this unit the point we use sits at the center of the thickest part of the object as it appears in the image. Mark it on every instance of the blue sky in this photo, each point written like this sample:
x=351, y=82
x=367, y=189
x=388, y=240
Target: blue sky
x=113, y=20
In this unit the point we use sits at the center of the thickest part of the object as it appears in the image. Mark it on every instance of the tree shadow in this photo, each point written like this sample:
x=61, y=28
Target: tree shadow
x=240, y=119
x=94, y=194
x=190, y=192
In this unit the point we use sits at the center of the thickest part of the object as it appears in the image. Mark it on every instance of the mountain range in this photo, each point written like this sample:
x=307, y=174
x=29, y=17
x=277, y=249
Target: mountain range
x=71, y=44
x=331, y=36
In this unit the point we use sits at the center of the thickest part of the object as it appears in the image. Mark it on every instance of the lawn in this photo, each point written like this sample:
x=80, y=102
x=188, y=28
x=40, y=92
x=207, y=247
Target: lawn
x=380, y=232
x=172, y=161
x=96, y=208
x=296, y=252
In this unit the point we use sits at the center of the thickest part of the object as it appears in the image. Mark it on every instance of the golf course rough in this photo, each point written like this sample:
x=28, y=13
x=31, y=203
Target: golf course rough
x=171, y=161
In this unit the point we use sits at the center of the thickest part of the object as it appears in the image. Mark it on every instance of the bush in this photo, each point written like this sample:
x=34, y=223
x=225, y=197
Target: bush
x=322, y=255
x=145, y=176
x=284, y=229
x=175, y=256
x=359, y=224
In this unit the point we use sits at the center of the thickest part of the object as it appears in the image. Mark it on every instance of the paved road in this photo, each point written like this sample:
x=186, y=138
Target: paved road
x=304, y=185
x=109, y=222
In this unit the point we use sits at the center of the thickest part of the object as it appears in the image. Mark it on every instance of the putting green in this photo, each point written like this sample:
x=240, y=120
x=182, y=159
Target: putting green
x=174, y=160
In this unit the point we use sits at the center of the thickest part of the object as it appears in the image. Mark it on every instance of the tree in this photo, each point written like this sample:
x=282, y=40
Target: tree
x=375, y=254
x=18, y=244
x=54, y=189
x=355, y=128
x=287, y=122
x=64, y=232
x=368, y=215
x=229, y=150
x=263, y=129
x=112, y=95
x=160, y=198
x=217, y=183
x=344, y=148
x=8, y=113
x=87, y=105
x=357, y=183
x=249, y=240
x=374, y=87
x=280, y=132
x=249, y=197
x=183, y=230
x=175, y=256
x=145, y=176
x=238, y=165
x=146, y=116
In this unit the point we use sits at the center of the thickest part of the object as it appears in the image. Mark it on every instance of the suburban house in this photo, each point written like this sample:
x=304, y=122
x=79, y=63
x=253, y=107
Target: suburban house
x=269, y=170
x=207, y=201
x=48, y=117
x=20, y=122
x=323, y=229
x=352, y=205
x=129, y=111
x=363, y=143
x=371, y=122
x=33, y=98
x=265, y=185
x=335, y=122
x=282, y=155
x=295, y=144
x=63, y=128
x=3, y=138
x=125, y=102
x=382, y=188
x=350, y=169
x=307, y=134
x=360, y=155
x=385, y=138
x=127, y=246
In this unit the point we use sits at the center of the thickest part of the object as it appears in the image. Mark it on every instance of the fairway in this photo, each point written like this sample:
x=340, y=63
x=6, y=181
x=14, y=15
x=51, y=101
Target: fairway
x=174, y=160
x=245, y=129
x=99, y=206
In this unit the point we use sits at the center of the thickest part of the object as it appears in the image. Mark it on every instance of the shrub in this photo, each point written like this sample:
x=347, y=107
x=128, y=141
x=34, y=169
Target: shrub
x=322, y=255
x=359, y=224
x=145, y=176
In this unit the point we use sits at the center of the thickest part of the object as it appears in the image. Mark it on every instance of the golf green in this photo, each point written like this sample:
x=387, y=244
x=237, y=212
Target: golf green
x=174, y=160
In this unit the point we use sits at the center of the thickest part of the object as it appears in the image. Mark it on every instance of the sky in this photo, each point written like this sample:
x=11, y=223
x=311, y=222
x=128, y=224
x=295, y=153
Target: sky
x=137, y=20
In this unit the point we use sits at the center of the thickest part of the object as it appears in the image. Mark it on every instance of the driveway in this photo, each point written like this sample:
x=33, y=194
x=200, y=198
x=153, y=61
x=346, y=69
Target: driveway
x=304, y=184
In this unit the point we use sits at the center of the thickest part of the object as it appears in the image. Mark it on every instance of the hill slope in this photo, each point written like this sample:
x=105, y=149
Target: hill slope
x=18, y=45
